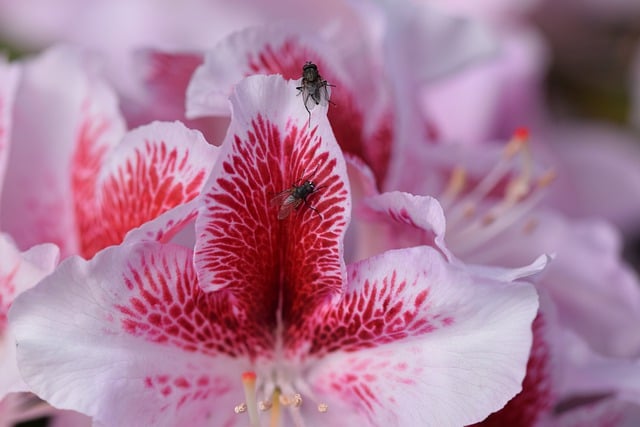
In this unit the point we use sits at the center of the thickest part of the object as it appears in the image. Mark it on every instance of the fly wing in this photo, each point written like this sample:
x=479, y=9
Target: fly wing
x=323, y=94
x=317, y=94
x=280, y=198
x=288, y=206
x=286, y=203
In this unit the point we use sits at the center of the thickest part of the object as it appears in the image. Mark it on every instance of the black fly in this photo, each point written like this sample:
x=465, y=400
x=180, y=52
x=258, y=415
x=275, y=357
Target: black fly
x=292, y=198
x=314, y=89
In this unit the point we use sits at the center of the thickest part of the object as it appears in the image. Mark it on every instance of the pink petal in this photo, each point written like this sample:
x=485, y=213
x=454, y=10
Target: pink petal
x=135, y=323
x=424, y=344
x=9, y=77
x=416, y=220
x=155, y=168
x=592, y=160
x=242, y=246
x=586, y=278
x=18, y=272
x=362, y=126
x=64, y=122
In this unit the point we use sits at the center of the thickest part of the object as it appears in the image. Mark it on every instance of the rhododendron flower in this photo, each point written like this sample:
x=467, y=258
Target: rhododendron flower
x=74, y=176
x=494, y=218
x=264, y=317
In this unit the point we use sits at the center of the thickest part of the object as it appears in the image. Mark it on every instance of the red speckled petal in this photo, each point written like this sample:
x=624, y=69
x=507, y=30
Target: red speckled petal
x=65, y=120
x=242, y=246
x=9, y=76
x=360, y=119
x=135, y=324
x=155, y=168
x=417, y=341
x=18, y=272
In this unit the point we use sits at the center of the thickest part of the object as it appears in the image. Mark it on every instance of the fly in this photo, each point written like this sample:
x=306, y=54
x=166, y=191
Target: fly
x=314, y=89
x=292, y=198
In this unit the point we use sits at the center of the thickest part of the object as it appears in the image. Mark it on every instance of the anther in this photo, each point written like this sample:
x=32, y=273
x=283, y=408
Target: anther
x=241, y=408
x=297, y=400
x=264, y=405
x=323, y=407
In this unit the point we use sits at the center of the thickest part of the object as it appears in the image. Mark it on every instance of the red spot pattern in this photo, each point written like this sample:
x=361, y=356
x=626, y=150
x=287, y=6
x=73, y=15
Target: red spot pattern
x=363, y=383
x=86, y=163
x=164, y=304
x=346, y=116
x=248, y=250
x=535, y=401
x=152, y=180
x=180, y=390
x=374, y=313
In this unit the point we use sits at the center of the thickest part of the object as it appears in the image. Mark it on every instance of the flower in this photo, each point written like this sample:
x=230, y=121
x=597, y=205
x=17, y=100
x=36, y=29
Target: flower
x=495, y=216
x=89, y=182
x=403, y=338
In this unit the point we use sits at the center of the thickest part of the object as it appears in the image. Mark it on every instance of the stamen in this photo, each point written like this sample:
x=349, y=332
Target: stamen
x=241, y=408
x=521, y=194
x=249, y=383
x=466, y=206
x=275, y=405
x=456, y=184
x=323, y=407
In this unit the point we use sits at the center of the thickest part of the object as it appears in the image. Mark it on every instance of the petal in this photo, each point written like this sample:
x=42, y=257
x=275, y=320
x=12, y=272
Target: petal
x=591, y=160
x=18, y=272
x=64, y=121
x=424, y=344
x=587, y=372
x=242, y=246
x=586, y=279
x=361, y=121
x=419, y=32
x=9, y=77
x=132, y=322
x=416, y=220
x=155, y=168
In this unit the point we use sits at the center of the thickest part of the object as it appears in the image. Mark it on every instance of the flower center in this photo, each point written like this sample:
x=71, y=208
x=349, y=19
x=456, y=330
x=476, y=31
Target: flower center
x=272, y=396
x=504, y=195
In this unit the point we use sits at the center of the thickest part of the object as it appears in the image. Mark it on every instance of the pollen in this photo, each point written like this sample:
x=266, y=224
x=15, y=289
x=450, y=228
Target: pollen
x=276, y=395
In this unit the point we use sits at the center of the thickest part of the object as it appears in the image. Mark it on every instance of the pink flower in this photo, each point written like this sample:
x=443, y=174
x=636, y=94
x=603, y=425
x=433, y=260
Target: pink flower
x=74, y=176
x=494, y=216
x=155, y=334
x=18, y=272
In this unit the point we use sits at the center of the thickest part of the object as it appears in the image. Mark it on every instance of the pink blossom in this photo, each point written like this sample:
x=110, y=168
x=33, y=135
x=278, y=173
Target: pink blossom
x=492, y=202
x=267, y=305
x=18, y=272
x=74, y=176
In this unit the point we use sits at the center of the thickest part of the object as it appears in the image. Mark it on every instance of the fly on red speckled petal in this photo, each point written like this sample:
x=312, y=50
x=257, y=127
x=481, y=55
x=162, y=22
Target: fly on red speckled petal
x=292, y=198
x=314, y=89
